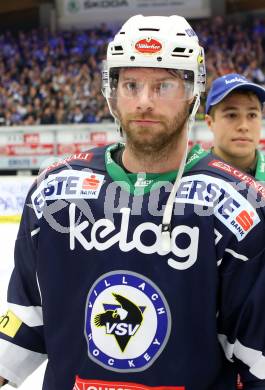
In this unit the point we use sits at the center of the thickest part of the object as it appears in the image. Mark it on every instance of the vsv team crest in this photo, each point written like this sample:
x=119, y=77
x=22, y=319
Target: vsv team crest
x=128, y=322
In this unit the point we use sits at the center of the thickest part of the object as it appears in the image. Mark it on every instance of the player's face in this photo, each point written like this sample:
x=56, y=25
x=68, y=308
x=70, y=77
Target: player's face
x=236, y=126
x=152, y=107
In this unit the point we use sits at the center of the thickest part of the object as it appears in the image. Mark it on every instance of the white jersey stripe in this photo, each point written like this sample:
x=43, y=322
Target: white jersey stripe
x=18, y=363
x=30, y=315
x=34, y=232
x=236, y=255
x=253, y=358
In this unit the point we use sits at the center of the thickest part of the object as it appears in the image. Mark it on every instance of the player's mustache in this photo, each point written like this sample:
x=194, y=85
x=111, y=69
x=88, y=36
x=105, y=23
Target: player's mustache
x=143, y=117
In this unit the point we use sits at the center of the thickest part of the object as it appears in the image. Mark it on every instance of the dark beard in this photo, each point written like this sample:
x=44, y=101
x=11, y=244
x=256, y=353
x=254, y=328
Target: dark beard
x=161, y=143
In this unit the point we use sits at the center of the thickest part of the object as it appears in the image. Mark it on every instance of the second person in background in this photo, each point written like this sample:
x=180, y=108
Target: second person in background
x=234, y=108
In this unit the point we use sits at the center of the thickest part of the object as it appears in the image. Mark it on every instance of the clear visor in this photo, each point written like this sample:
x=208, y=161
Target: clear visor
x=158, y=84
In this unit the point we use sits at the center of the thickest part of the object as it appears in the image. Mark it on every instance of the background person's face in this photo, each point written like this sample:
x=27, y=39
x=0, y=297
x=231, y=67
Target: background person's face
x=151, y=106
x=236, y=125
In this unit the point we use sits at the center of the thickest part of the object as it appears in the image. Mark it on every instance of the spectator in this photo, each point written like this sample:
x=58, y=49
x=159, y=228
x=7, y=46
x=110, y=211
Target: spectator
x=66, y=66
x=48, y=116
x=254, y=72
x=77, y=116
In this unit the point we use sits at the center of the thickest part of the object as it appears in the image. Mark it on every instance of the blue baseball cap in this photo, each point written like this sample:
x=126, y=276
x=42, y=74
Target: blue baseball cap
x=224, y=85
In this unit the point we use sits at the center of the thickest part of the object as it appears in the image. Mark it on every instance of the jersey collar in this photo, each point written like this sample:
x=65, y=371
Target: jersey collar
x=142, y=183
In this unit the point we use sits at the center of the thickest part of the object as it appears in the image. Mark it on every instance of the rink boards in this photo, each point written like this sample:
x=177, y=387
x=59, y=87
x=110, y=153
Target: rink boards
x=13, y=191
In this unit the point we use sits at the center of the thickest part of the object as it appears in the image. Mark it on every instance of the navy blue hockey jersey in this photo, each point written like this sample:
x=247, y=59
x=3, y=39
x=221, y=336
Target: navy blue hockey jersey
x=94, y=291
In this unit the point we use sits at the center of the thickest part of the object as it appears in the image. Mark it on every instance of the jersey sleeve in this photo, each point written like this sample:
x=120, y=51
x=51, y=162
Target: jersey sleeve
x=241, y=302
x=22, y=346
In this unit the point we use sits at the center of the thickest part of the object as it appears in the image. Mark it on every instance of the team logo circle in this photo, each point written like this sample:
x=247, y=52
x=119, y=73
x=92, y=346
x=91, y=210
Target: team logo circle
x=127, y=322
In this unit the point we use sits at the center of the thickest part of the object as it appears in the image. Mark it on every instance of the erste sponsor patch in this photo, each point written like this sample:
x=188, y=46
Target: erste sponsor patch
x=222, y=199
x=68, y=184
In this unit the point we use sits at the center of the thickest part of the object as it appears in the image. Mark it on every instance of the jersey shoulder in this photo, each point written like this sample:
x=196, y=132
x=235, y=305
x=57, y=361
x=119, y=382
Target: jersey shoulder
x=91, y=159
x=232, y=178
x=81, y=165
x=212, y=166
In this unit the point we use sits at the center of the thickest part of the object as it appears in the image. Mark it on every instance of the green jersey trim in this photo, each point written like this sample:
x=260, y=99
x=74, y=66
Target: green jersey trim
x=142, y=182
x=260, y=167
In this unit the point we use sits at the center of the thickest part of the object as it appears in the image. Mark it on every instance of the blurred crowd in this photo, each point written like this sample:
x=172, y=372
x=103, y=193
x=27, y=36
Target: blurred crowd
x=233, y=47
x=50, y=78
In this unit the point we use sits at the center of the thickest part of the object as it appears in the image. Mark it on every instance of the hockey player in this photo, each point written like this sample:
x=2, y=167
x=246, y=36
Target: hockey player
x=234, y=108
x=136, y=267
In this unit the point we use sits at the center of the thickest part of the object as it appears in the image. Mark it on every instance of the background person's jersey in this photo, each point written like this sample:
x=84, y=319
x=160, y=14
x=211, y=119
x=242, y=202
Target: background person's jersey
x=94, y=290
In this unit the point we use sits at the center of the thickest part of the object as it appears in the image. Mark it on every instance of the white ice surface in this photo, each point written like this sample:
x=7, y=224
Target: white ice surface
x=8, y=234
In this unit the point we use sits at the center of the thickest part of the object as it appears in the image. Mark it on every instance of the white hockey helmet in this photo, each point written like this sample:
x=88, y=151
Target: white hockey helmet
x=156, y=42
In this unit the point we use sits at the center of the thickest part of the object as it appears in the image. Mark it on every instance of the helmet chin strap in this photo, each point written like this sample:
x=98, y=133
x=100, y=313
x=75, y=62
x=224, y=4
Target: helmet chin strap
x=117, y=122
x=166, y=221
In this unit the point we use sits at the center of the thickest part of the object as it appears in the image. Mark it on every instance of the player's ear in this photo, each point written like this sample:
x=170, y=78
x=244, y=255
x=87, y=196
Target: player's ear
x=209, y=121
